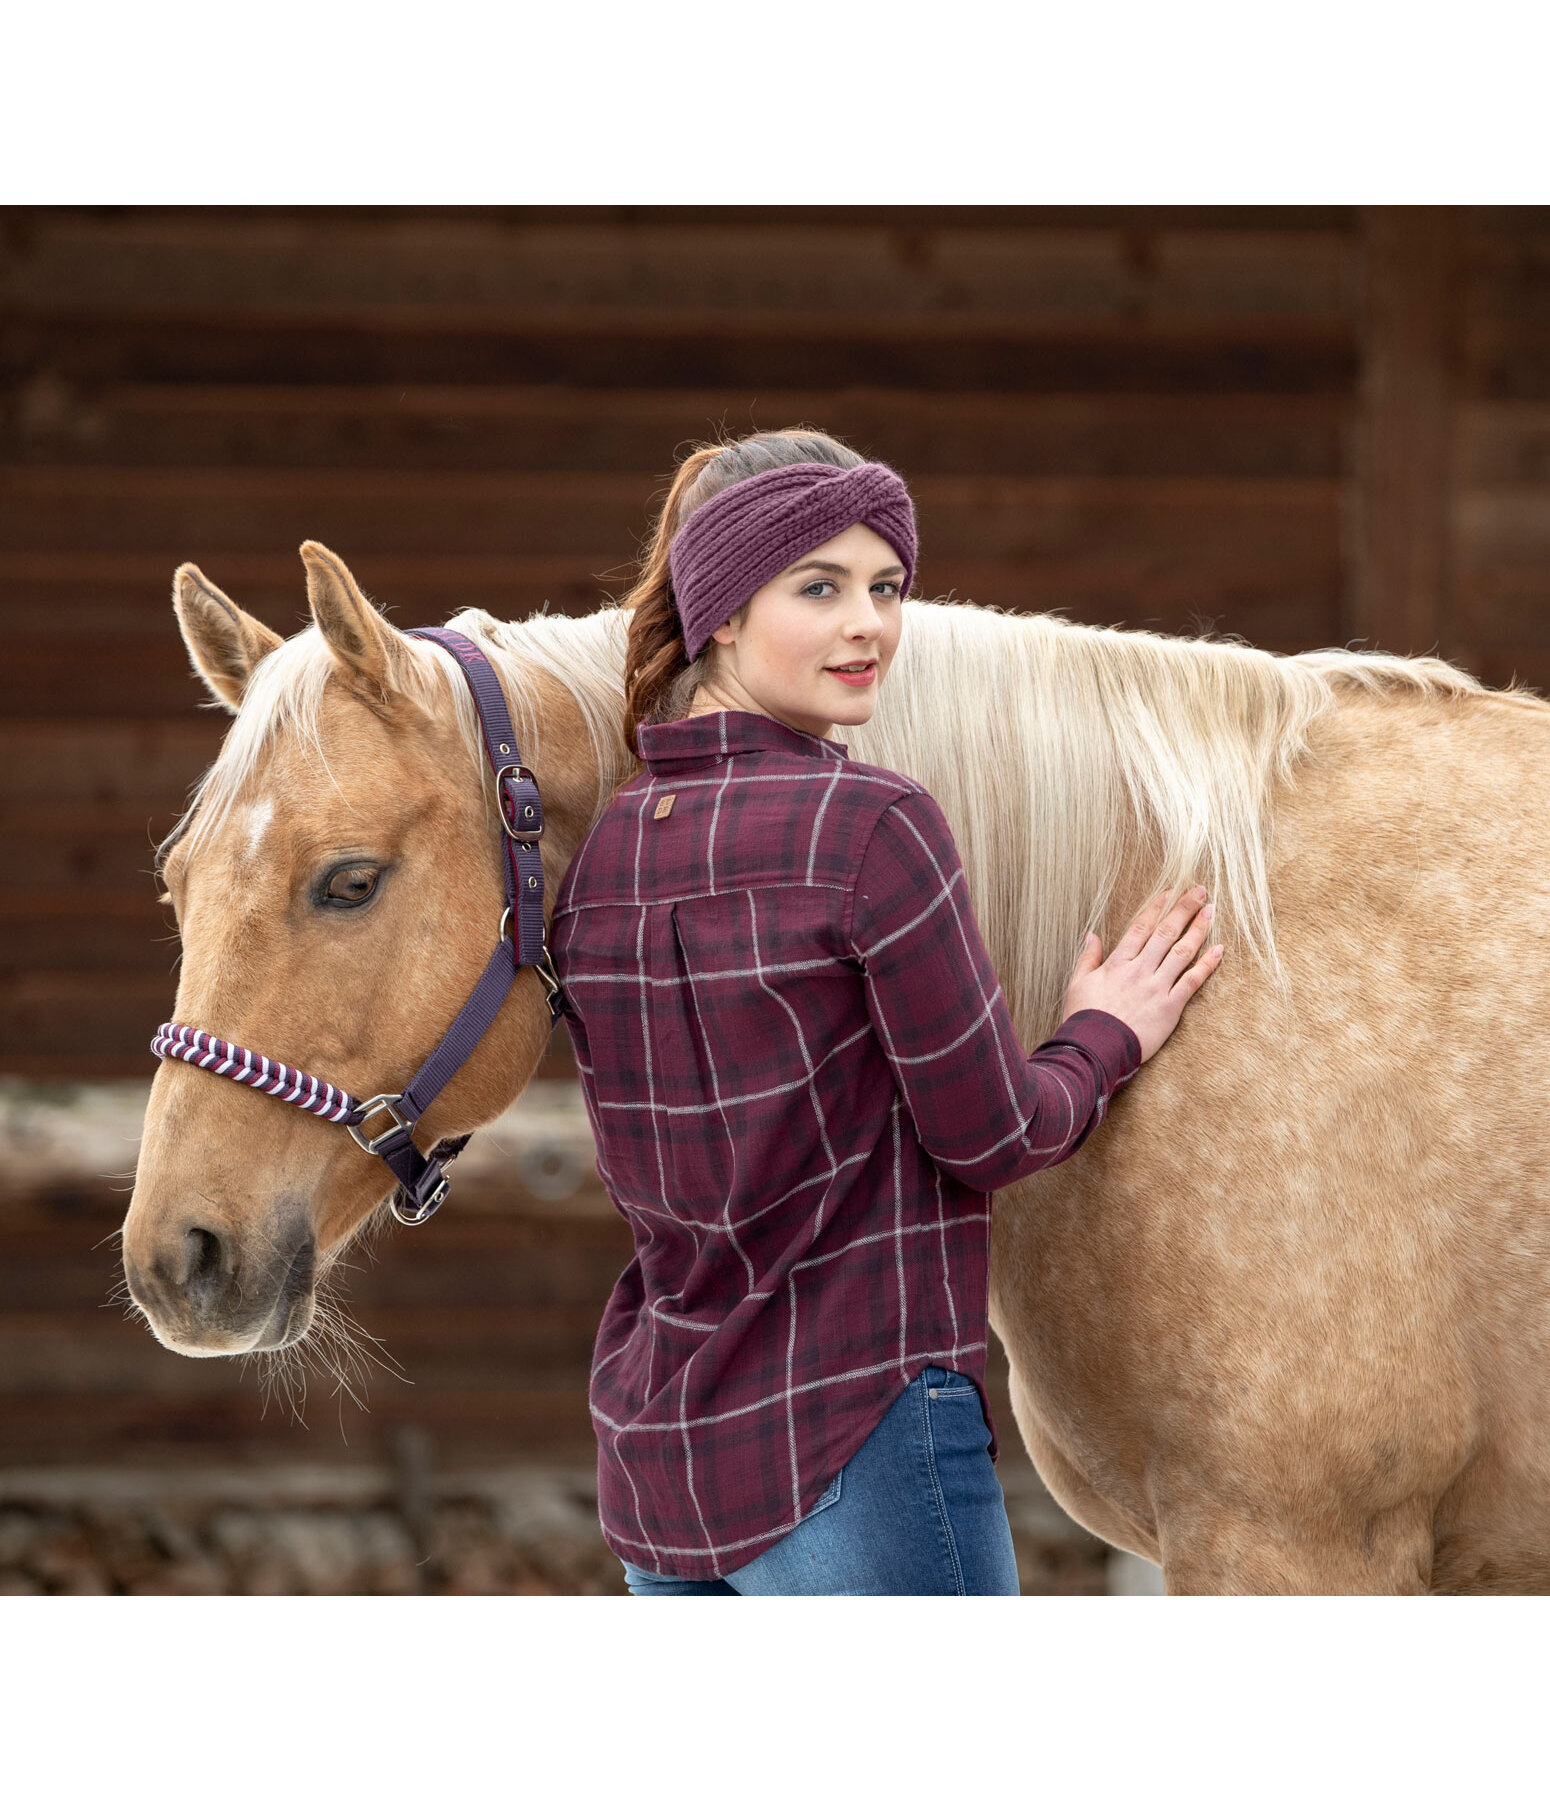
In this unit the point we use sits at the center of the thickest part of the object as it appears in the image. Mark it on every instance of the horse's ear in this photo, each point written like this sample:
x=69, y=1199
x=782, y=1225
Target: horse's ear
x=368, y=651
x=224, y=643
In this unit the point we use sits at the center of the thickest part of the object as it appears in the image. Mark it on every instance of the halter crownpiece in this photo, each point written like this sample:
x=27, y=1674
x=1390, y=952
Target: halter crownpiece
x=422, y=1178
x=744, y=536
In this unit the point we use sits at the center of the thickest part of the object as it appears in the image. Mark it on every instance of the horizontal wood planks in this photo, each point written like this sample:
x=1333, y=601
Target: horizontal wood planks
x=1152, y=417
x=1498, y=504
x=1129, y=415
x=457, y=270
x=973, y=301
x=519, y=428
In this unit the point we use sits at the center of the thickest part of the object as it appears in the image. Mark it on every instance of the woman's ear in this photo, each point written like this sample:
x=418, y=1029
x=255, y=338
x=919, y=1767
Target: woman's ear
x=225, y=644
x=367, y=651
x=727, y=634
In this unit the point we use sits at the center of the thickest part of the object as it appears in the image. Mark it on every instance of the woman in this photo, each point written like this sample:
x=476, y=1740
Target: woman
x=800, y=1068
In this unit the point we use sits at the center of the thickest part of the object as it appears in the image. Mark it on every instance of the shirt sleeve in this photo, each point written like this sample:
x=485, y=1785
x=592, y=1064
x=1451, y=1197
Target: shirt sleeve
x=984, y=1110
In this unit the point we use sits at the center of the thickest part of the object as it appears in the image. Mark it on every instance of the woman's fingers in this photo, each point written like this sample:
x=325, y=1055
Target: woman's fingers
x=1170, y=928
x=1184, y=951
x=1091, y=954
x=1198, y=974
x=1142, y=926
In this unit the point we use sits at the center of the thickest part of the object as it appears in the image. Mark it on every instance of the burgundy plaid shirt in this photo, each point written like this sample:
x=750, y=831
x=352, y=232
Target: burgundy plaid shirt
x=804, y=1085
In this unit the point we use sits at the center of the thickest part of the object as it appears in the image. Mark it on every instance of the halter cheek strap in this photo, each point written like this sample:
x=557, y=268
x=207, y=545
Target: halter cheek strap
x=384, y=1125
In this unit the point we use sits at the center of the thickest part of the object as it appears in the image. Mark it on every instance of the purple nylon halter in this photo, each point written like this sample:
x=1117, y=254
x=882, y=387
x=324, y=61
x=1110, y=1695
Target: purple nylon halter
x=422, y=1178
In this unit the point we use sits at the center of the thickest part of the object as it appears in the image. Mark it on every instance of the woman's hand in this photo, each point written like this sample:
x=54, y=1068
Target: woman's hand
x=1152, y=975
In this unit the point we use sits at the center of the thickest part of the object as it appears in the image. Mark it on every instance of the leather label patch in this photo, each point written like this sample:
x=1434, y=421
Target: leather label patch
x=664, y=806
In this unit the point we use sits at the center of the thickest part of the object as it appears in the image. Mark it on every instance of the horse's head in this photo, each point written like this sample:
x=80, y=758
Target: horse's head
x=338, y=891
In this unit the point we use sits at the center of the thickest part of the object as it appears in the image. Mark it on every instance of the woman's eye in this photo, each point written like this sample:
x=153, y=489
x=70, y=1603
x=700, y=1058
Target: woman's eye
x=349, y=887
x=890, y=589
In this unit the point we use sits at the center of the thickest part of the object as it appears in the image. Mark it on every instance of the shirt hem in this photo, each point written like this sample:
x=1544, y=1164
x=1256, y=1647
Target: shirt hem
x=714, y=1564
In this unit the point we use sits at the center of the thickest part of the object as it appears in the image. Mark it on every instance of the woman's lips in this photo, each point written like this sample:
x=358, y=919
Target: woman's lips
x=858, y=678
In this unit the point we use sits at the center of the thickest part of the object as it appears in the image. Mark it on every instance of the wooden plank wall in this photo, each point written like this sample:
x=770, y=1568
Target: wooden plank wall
x=1137, y=416
x=1496, y=581
x=1450, y=486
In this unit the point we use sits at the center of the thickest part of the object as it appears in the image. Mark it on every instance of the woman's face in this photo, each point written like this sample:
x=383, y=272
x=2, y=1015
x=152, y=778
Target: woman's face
x=836, y=607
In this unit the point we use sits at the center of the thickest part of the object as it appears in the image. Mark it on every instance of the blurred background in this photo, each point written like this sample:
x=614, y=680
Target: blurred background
x=1304, y=426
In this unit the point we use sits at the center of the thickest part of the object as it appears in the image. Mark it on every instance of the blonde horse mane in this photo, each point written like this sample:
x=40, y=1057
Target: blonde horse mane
x=1054, y=749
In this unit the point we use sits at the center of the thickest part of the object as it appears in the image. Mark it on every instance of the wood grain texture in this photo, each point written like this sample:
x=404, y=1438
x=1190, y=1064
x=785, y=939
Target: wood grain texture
x=534, y=428
x=461, y=273
x=1499, y=503
x=1256, y=356
x=1138, y=416
x=1400, y=590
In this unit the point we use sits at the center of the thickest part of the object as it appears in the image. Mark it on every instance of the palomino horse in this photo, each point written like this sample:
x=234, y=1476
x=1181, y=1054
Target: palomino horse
x=1282, y=1326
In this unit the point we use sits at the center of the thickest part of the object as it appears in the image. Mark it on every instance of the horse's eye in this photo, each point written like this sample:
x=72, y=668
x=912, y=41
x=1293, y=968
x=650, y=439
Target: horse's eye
x=349, y=887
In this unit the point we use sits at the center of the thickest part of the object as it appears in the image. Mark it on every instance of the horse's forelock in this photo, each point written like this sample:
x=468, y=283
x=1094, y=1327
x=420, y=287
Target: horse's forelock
x=284, y=700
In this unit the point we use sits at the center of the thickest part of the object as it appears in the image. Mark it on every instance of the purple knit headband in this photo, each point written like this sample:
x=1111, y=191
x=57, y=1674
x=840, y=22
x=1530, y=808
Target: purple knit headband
x=745, y=535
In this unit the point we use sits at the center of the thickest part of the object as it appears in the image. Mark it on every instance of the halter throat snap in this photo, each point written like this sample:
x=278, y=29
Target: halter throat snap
x=384, y=1125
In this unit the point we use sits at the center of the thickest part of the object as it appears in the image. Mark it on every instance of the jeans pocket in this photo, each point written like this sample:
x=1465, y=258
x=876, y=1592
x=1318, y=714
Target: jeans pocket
x=948, y=1384
x=957, y=1422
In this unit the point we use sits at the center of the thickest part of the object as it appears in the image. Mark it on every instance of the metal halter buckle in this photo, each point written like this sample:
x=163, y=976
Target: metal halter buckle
x=387, y=1103
x=520, y=772
x=544, y=967
x=418, y=1215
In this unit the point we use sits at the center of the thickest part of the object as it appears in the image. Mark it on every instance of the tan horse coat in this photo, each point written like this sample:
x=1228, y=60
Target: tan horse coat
x=1285, y=1324
x=1282, y=1325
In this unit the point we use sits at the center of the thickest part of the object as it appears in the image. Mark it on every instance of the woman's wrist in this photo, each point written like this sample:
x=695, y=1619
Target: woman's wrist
x=1105, y=1036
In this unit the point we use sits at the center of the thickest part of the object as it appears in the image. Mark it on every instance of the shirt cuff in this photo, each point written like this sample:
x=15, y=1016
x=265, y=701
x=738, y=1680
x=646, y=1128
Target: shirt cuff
x=1108, y=1040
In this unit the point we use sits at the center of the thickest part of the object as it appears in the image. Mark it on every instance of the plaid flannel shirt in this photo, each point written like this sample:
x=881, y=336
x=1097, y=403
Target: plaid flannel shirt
x=804, y=1085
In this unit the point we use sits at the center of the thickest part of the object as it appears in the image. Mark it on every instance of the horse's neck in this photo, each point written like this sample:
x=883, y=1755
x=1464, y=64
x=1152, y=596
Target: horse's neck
x=1077, y=769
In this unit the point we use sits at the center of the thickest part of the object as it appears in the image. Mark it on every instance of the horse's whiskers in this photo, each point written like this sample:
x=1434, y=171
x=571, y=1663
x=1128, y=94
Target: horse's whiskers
x=345, y=1345
x=283, y=1376
x=335, y=1347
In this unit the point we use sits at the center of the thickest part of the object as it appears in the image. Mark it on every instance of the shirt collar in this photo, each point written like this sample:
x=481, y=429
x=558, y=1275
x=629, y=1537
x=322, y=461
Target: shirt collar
x=682, y=744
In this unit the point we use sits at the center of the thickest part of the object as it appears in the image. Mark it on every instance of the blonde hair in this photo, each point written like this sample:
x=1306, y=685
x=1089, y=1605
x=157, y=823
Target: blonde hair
x=1056, y=749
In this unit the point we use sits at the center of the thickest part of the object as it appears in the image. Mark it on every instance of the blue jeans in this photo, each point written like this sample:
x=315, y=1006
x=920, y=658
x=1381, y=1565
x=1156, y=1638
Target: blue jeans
x=917, y=1510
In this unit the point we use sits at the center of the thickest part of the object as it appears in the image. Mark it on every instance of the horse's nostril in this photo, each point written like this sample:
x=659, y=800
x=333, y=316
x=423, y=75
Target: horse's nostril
x=205, y=1278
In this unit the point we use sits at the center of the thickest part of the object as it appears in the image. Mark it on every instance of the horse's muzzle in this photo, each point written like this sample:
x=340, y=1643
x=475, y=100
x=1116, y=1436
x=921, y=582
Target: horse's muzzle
x=205, y=1294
